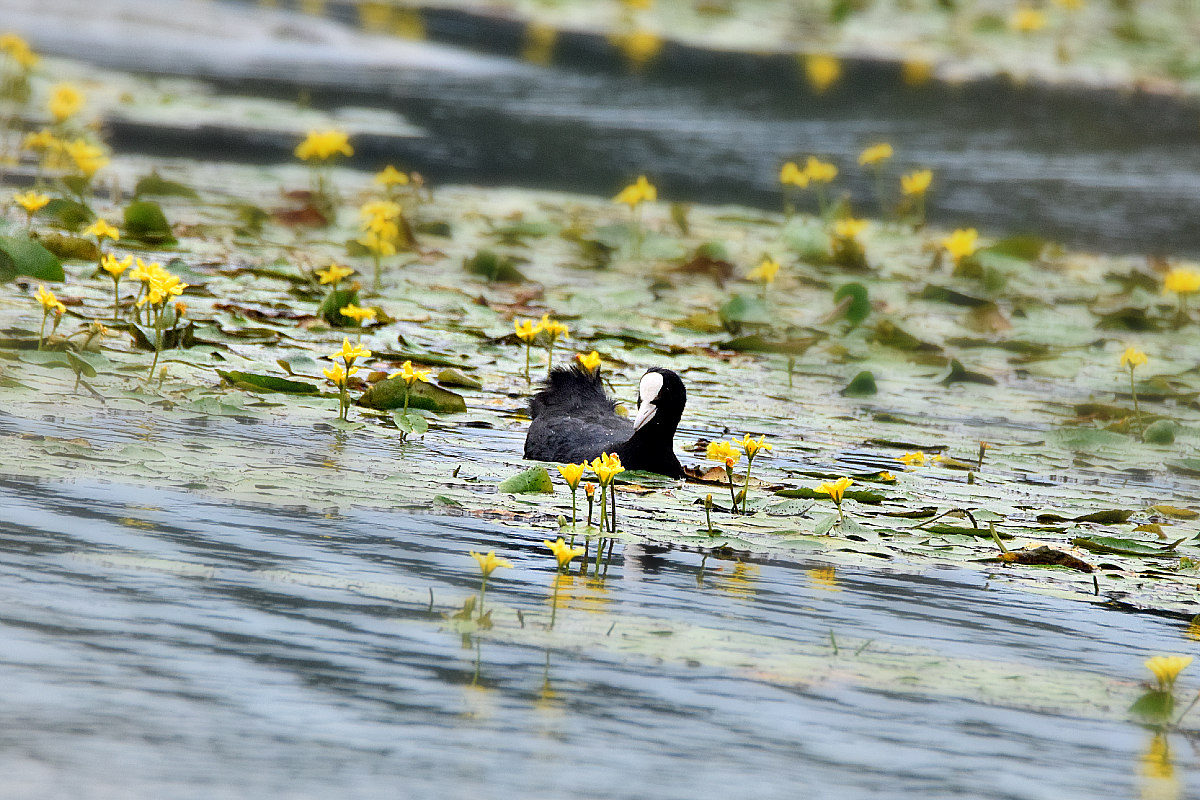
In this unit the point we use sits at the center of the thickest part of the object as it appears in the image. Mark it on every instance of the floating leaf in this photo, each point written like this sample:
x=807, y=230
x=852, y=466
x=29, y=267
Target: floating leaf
x=154, y=185
x=494, y=267
x=146, y=222
x=858, y=495
x=744, y=310
x=1175, y=512
x=862, y=385
x=412, y=423
x=20, y=255
x=70, y=214
x=858, y=305
x=266, y=383
x=960, y=374
x=533, y=480
x=1114, y=545
x=389, y=394
x=452, y=376
x=1161, y=432
x=1046, y=557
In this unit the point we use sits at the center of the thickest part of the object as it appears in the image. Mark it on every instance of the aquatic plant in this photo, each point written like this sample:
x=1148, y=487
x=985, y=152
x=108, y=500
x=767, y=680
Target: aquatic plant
x=875, y=157
x=1183, y=282
x=411, y=423
x=572, y=473
x=589, y=490
x=728, y=454
x=764, y=274
x=102, y=230
x=32, y=202
x=822, y=71
x=320, y=149
x=340, y=374
x=914, y=459
x=791, y=177
x=634, y=195
x=161, y=286
x=50, y=305
x=65, y=102
x=1027, y=19
x=820, y=174
x=835, y=491
x=1131, y=359
x=527, y=331
x=590, y=361
x=552, y=331
x=564, y=553
x=962, y=243
x=380, y=232
x=357, y=313
x=333, y=274
x=487, y=565
x=915, y=186
x=751, y=447
x=1166, y=669
x=390, y=178
x=115, y=267
x=606, y=468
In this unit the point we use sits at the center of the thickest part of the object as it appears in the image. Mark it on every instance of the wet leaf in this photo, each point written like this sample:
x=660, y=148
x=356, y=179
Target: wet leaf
x=533, y=480
x=1045, y=556
x=1174, y=512
x=859, y=305
x=742, y=310
x=1115, y=545
x=1111, y=517
x=20, y=255
x=154, y=185
x=412, y=423
x=389, y=395
x=452, y=376
x=266, y=383
x=960, y=374
x=862, y=385
x=494, y=267
x=146, y=222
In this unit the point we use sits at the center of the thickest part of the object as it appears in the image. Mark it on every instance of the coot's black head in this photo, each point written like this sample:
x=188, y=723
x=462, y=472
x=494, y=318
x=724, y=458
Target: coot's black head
x=661, y=398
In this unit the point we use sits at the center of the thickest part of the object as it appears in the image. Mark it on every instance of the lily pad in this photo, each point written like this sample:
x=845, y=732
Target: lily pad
x=535, y=480
x=266, y=383
x=389, y=394
x=20, y=255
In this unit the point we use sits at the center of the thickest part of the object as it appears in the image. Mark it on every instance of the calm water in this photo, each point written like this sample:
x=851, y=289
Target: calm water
x=207, y=674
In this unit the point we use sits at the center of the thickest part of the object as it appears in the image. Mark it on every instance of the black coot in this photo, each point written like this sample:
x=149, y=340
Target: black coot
x=574, y=420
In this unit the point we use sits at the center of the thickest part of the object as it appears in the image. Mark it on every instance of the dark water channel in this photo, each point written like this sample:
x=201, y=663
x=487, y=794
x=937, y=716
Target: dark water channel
x=206, y=671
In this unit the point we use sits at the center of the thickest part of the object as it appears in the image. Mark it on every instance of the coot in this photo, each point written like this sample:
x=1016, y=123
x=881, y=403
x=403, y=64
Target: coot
x=574, y=420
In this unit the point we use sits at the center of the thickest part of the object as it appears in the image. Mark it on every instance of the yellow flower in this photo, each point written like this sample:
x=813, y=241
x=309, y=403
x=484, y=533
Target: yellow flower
x=962, y=243
x=913, y=459
x=1182, y=281
x=723, y=452
x=792, y=175
x=378, y=243
x=886, y=477
x=48, y=301
x=88, y=158
x=1027, y=20
x=411, y=375
x=65, y=101
x=1132, y=357
x=390, y=176
x=764, y=272
x=915, y=183
x=836, y=489
x=637, y=193
x=875, y=154
x=18, y=50
x=357, y=313
x=553, y=329
x=324, y=145
x=378, y=210
x=819, y=171
x=351, y=352
x=143, y=271
x=102, y=230
x=161, y=286
x=114, y=266
x=1070, y=5
x=333, y=273
x=526, y=330
x=489, y=563
x=1167, y=668
x=822, y=71
x=31, y=201
x=752, y=445
x=572, y=473
x=41, y=141
x=606, y=467
x=337, y=375
x=562, y=551
x=590, y=362
x=849, y=228
x=180, y=308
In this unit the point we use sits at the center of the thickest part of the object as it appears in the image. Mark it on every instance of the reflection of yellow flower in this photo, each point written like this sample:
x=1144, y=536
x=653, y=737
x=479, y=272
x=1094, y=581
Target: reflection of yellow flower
x=31, y=201
x=764, y=272
x=962, y=243
x=489, y=563
x=587, y=594
x=916, y=71
x=65, y=101
x=333, y=273
x=324, y=145
x=875, y=154
x=723, y=452
x=849, y=228
x=1132, y=357
x=916, y=183
x=1182, y=281
x=822, y=71
x=825, y=578
x=639, y=47
x=563, y=552
x=1167, y=668
x=752, y=445
x=791, y=175
x=1157, y=764
x=836, y=489
x=1193, y=629
x=572, y=473
x=738, y=582
x=590, y=362
x=913, y=459
x=411, y=375
x=638, y=192
x=357, y=313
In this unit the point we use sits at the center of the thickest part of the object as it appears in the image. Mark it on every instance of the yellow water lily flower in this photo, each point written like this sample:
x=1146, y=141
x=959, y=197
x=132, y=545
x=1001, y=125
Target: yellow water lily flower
x=113, y=265
x=379, y=244
x=590, y=362
x=1132, y=357
x=48, y=301
x=18, y=50
x=390, y=176
x=1167, y=668
x=357, y=313
x=822, y=71
x=102, y=230
x=764, y=272
x=526, y=330
x=563, y=552
x=41, y=142
x=1027, y=19
x=65, y=101
x=380, y=210
x=849, y=228
x=324, y=145
x=752, y=446
x=552, y=328
x=351, y=352
x=836, y=489
x=411, y=375
x=916, y=459
x=916, y=183
x=337, y=375
x=1181, y=280
x=88, y=158
x=333, y=273
x=819, y=171
x=875, y=154
x=641, y=191
x=962, y=243
x=489, y=563
x=606, y=467
x=31, y=201
x=791, y=175
x=723, y=452
x=572, y=473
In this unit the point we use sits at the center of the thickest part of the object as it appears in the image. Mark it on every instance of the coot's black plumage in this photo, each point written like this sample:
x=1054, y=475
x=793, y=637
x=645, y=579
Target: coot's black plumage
x=575, y=420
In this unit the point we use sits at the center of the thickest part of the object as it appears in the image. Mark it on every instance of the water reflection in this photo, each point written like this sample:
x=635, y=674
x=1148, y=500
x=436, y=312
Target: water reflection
x=1156, y=770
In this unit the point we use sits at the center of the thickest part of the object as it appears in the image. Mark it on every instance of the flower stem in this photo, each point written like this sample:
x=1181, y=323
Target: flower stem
x=732, y=496
x=1137, y=414
x=612, y=522
x=116, y=299
x=482, y=594
x=573, y=493
x=554, y=600
x=527, y=349
x=746, y=488
x=42, y=332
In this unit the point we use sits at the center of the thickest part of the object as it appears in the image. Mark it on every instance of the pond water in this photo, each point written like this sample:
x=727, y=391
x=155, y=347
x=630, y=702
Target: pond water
x=165, y=643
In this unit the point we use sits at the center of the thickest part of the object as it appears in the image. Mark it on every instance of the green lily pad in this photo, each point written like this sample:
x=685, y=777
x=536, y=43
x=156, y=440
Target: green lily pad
x=533, y=480
x=20, y=255
x=146, y=222
x=266, y=383
x=389, y=394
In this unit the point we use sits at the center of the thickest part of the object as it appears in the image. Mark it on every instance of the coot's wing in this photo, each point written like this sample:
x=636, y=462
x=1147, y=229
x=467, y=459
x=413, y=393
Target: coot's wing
x=570, y=439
